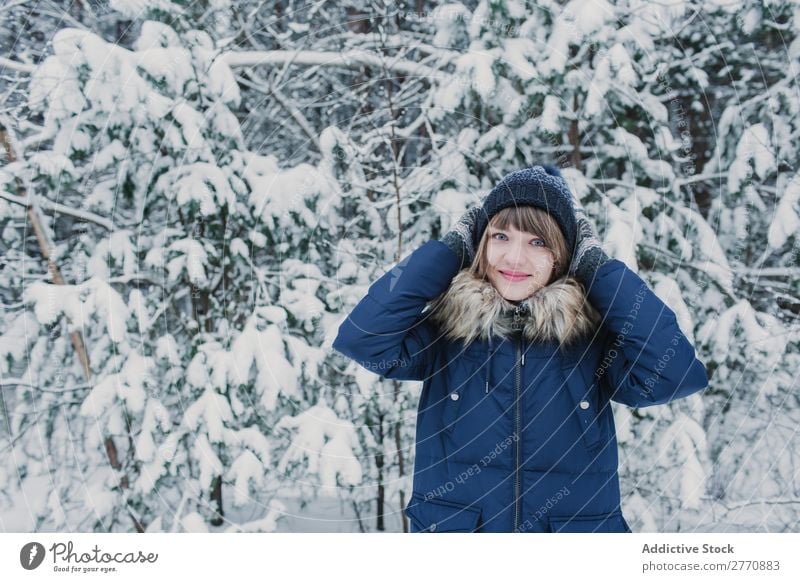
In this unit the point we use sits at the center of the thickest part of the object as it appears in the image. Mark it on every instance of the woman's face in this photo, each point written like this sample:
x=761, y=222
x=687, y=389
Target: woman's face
x=513, y=252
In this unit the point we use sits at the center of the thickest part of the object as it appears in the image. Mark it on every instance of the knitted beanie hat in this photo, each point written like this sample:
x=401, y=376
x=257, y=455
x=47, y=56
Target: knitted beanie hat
x=541, y=186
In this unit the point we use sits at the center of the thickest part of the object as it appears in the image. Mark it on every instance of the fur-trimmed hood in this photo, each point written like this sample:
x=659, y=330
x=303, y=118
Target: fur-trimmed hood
x=472, y=308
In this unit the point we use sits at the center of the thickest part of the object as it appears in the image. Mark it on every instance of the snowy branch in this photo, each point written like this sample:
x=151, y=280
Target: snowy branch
x=348, y=59
x=135, y=277
x=17, y=66
x=770, y=271
x=56, y=207
x=395, y=41
x=740, y=504
x=21, y=382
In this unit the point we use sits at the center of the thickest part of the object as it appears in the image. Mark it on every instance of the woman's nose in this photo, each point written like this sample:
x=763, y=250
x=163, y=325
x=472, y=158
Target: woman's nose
x=514, y=255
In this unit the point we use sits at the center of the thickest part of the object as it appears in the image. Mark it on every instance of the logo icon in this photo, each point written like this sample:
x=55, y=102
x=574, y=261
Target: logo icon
x=397, y=271
x=31, y=555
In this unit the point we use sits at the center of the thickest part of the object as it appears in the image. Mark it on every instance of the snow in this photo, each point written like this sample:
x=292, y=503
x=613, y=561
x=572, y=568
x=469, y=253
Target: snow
x=623, y=230
x=751, y=20
x=110, y=155
x=621, y=65
x=448, y=96
x=171, y=67
x=668, y=290
x=194, y=523
x=254, y=440
x=138, y=305
x=786, y=220
x=684, y=441
x=79, y=303
x=196, y=373
x=450, y=205
x=598, y=87
x=299, y=27
x=551, y=115
x=578, y=20
x=276, y=511
x=325, y=444
x=275, y=374
x=207, y=459
x=245, y=470
x=127, y=386
x=71, y=140
x=451, y=169
x=708, y=246
x=276, y=196
x=634, y=149
x=56, y=166
x=135, y=371
x=300, y=299
x=100, y=498
x=654, y=108
x=139, y=8
x=205, y=184
x=448, y=19
x=718, y=334
x=753, y=148
x=153, y=34
x=56, y=509
x=16, y=338
x=476, y=66
x=167, y=349
x=156, y=417
x=520, y=56
x=192, y=258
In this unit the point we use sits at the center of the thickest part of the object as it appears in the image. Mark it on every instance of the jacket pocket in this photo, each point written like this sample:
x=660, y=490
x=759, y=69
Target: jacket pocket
x=601, y=523
x=583, y=396
x=439, y=515
x=612, y=522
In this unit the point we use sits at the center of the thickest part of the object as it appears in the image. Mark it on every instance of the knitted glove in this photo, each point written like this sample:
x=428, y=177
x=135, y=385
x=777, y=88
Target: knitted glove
x=460, y=237
x=589, y=253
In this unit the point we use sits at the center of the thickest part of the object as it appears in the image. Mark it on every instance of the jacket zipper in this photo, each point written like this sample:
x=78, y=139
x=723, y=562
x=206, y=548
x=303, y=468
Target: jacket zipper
x=517, y=418
x=517, y=439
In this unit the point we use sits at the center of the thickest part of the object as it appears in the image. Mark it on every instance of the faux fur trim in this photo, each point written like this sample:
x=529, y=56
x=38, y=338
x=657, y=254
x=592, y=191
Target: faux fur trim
x=472, y=308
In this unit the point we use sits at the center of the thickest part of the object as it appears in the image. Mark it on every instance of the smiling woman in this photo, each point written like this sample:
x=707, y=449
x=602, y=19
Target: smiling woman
x=521, y=251
x=515, y=432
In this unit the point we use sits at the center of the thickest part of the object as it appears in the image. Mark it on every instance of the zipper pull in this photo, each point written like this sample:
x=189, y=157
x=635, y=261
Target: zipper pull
x=487, y=386
x=517, y=325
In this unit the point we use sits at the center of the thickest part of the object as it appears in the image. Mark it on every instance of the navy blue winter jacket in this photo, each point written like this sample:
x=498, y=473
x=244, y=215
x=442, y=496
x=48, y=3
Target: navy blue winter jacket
x=515, y=431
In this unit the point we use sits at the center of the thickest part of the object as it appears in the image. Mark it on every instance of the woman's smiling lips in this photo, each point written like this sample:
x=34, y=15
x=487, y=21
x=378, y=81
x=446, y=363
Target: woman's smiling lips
x=514, y=275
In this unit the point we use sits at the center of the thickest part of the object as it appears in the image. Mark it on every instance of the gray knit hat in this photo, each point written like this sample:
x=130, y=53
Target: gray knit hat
x=542, y=186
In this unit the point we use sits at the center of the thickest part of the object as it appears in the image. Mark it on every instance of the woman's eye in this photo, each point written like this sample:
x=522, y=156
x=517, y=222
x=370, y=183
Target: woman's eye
x=536, y=242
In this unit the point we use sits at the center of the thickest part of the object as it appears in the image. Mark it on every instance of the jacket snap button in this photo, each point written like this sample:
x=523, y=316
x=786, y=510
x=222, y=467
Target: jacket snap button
x=433, y=527
x=584, y=404
x=453, y=396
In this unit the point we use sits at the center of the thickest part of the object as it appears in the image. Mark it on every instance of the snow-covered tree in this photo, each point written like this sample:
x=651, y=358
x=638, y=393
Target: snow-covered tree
x=164, y=327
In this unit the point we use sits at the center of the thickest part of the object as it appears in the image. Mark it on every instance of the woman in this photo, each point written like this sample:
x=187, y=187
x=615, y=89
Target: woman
x=520, y=355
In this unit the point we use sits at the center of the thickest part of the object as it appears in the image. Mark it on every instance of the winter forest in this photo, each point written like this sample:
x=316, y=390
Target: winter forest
x=194, y=194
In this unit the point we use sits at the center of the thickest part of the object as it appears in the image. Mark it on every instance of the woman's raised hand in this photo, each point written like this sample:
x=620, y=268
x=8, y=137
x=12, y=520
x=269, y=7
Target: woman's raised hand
x=589, y=253
x=461, y=236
